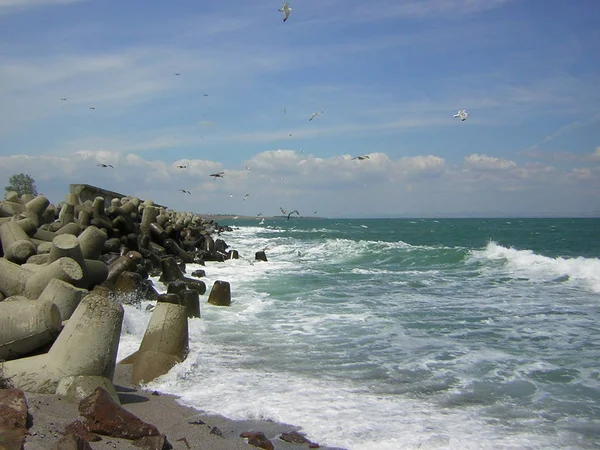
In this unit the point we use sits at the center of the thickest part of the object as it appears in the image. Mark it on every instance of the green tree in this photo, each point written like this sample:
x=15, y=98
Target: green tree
x=22, y=184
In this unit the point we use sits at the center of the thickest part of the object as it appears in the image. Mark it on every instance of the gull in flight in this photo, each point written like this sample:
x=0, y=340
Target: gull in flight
x=292, y=212
x=286, y=10
x=217, y=175
x=177, y=73
x=182, y=167
x=105, y=165
x=461, y=114
x=184, y=191
x=361, y=157
x=64, y=99
x=315, y=114
x=92, y=107
x=282, y=210
x=245, y=197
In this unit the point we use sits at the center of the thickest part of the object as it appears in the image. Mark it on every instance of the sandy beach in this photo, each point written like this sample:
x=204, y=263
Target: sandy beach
x=186, y=428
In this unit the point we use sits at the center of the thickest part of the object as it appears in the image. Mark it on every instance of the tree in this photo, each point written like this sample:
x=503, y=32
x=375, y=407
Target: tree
x=21, y=184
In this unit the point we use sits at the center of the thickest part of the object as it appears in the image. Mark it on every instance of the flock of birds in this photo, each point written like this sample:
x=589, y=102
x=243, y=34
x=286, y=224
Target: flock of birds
x=286, y=10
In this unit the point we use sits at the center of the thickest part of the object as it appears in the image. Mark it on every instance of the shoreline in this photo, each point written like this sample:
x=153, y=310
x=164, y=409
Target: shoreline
x=185, y=427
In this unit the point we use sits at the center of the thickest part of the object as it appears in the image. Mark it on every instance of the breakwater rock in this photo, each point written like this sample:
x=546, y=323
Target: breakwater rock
x=67, y=269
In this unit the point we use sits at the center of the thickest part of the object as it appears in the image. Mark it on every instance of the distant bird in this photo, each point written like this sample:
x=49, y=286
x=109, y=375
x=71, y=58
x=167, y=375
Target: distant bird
x=292, y=212
x=92, y=107
x=217, y=175
x=282, y=210
x=105, y=165
x=461, y=114
x=315, y=114
x=361, y=157
x=286, y=10
x=177, y=73
x=184, y=191
x=315, y=211
x=245, y=197
x=182, y=167
x=64, y=99
x=247, y=167
x=259, y=214
x=206, y=95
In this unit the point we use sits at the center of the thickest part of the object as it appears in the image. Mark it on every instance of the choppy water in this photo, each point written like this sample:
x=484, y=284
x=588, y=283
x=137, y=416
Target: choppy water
x=392, y=334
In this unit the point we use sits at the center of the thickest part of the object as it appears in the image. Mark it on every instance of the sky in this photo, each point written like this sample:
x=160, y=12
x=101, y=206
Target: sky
x=388, y=76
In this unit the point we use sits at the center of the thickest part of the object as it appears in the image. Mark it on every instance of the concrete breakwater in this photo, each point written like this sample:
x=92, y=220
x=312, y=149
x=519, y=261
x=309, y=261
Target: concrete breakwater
x=65, y=271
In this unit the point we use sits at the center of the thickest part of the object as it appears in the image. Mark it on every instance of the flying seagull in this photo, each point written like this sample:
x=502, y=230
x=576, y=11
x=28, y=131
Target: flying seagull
x=292, y=212
x=64, y=99
x=182, y=167
x=184, y=191
x=217, y=175
x=92, y=107
x=105, y=165
x=177, y=73
x=315, y=114
x=282, y=210
x=461, y=114
x=206, y=95
x=286, y=10
x=245, y=197
x=361, y=157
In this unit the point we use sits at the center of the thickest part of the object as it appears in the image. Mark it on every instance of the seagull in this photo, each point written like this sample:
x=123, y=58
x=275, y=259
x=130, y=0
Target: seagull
x=184, y=191
x=64, y=99
x=292, y=212
x=247, y=167
x=206, y=95
x=259, y=214
x=315, y=211
x=177, y=73
x=461, y=114
x=286, y=10
x=105, y=165
x=361, y=157
x=92, y=107
x=245, y=197
x=182, y=167
x=217, y=175
x=282, y=210
x=315, y=114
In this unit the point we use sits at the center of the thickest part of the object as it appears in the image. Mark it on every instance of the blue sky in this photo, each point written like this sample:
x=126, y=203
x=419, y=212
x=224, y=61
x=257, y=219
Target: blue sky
x=387, y=74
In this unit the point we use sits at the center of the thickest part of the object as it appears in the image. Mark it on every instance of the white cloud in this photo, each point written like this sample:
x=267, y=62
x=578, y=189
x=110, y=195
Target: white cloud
x=484, y=162
x=11, y=6
x=335, y=186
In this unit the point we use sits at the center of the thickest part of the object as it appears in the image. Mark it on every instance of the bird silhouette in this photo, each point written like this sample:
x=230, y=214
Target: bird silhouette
x=185, y=191
x=217, y=175
x=182, y=167
x=106, y=165
x=315, y=114
x=361, y=157
x=286, y=10
x=292, y=212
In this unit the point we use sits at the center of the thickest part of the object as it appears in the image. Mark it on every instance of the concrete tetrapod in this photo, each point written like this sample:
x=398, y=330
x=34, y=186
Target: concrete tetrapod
x=64, y=295
x=16, y=244
x=13, y=278
x=65, y=269
x=165, y=343
x=87, y=345
x=26, y=325
x=220, y=294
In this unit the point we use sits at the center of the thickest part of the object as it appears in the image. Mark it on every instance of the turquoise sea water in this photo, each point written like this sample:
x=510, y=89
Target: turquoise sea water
x=399, y=333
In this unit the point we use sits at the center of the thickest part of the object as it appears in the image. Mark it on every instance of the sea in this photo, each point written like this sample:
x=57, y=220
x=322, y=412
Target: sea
x=376, y=334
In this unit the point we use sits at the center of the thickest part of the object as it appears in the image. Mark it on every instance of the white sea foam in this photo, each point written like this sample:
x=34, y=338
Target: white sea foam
x=526, y=263
x=430, y=360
